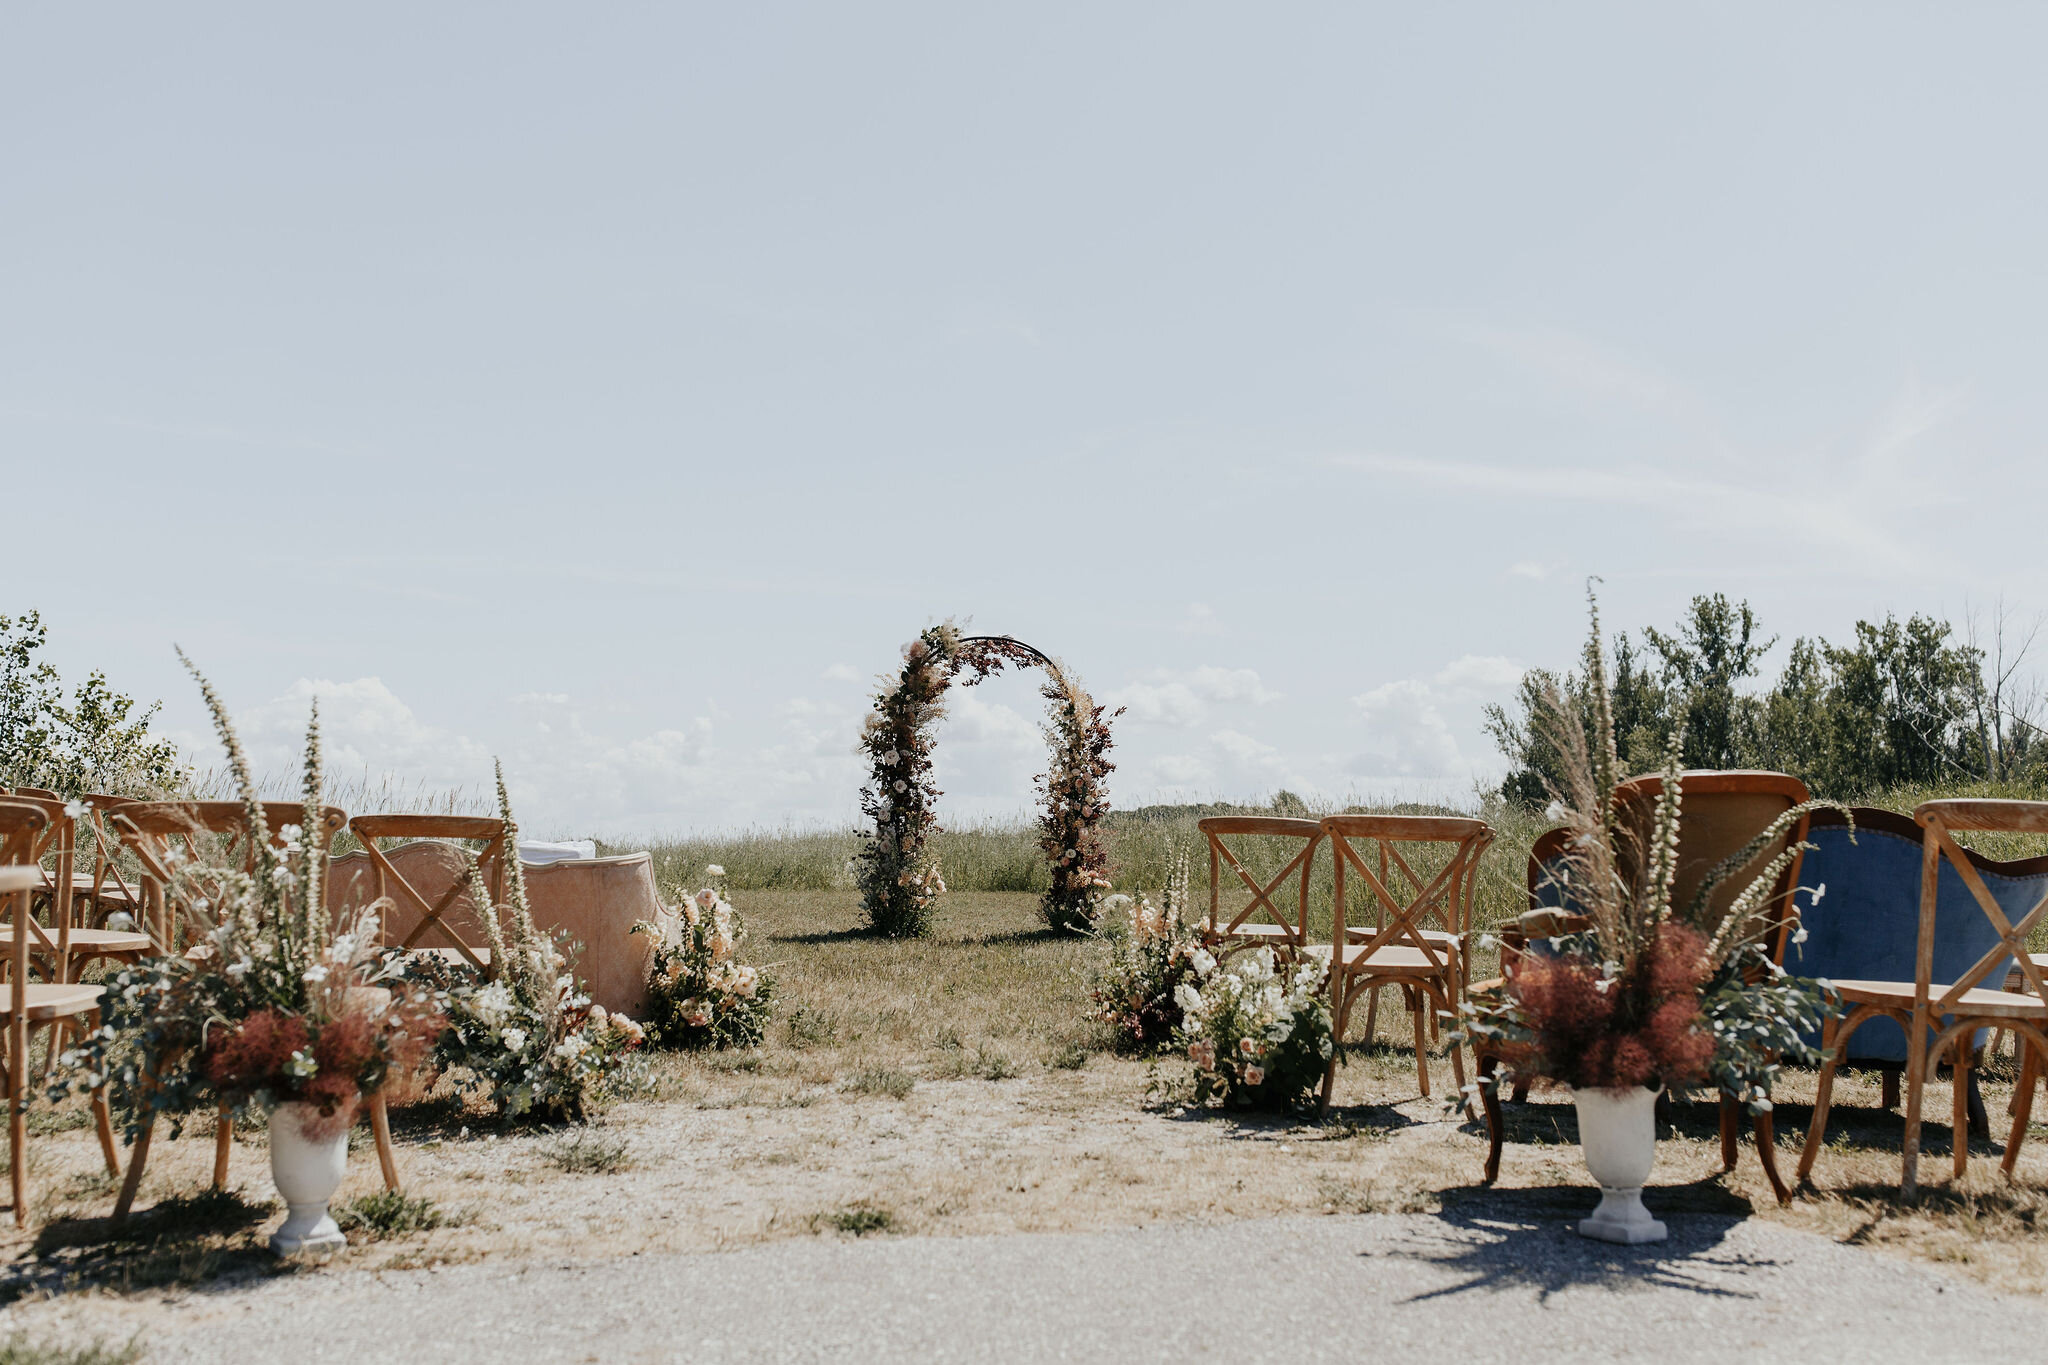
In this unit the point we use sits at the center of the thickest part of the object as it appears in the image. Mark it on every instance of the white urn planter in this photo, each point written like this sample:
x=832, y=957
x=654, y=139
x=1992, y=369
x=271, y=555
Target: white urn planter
x=1618, y=1134
x=307, y=1171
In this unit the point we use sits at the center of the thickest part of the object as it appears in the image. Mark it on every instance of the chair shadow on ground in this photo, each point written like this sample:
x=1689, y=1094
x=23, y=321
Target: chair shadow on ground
x=187, y=1241
x=827, y=936
x=1247, y=1125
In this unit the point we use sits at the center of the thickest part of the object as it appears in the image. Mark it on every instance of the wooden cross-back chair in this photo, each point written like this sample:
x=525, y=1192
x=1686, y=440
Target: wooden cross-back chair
x=104, y=890
x=1401, y=949
x=26, y=1006
x=1446, y=900
x=1281, y=924
x=1945, y=1017
x=63, y=947
x=152, y=829
x=433, y=904
x=1721, y=812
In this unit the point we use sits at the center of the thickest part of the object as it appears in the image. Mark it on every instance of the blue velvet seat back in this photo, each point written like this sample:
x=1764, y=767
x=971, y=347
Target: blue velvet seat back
x=1866, y=927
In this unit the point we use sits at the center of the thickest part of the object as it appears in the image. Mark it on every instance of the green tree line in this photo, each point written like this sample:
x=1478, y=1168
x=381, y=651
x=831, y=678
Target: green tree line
x=1898, y=703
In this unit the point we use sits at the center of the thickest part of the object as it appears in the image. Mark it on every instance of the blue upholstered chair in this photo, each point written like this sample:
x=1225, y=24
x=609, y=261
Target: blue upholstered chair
x=1863, y=936
x=1866, y=926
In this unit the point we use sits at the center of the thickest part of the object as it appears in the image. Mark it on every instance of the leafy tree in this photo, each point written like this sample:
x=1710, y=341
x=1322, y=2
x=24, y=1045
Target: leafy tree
x=1713, y=651
x=94, y=742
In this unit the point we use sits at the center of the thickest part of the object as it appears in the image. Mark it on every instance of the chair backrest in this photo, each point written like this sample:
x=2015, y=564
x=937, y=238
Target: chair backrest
x=151, y=829
x=1403, y=900
x=58, y=844
x=17, y=884
x=22, y=827
x=2012, y=923
x=1720, y=812
x=1866, y=926
x=1283, y=898
x=426, y=880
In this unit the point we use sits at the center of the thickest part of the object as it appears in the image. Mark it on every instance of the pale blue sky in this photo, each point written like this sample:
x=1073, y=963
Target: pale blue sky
x=615, y=389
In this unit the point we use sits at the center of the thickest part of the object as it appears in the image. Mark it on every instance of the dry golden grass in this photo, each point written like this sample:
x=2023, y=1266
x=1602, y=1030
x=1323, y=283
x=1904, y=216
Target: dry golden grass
x=950, y=1087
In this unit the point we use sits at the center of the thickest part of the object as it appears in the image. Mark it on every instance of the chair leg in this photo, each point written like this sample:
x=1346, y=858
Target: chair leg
x=380, y=1124
x=1823, y=1094
x=1421, y=1045
x=1730, y=1114
x=1959, y=1108
x=1489, y=1096
x=1890, y=1098
x=17, y=1139
x=136, y=1160
x=1372, y=1015
x=2022, y=1102
x=1767, y=1153
x=103, y=1121
x=223, y=1143
x=1916, y=1090
x=1340, y=1009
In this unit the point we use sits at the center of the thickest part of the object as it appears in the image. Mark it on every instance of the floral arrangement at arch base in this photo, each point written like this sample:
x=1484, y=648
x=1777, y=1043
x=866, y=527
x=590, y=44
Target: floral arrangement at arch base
x=1134, y=993
x=896, y=870
x=1650, y=994
x=699, y=995
x=531, y=1040
x=273, y=1005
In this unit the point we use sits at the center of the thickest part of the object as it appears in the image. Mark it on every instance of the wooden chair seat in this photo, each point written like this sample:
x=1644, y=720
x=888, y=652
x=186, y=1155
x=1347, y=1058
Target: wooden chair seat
x=45, y=1002
x=1441, y=938
x=1986, y=1004
x=87, y=942
x=84, y=885
x=1391, y=960
x=1256, y=933
x=2016, y=978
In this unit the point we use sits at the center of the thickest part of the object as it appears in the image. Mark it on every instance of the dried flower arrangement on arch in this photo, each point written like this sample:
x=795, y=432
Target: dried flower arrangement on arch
x=898, y=874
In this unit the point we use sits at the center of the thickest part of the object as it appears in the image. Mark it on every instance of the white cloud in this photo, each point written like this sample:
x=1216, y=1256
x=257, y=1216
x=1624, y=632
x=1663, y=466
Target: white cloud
x=1183, y=699
x=840, y=673
x=1199, y=619
x=1484, y=675
x=1529, y=568
x=1406, y=733
x=1412, y=724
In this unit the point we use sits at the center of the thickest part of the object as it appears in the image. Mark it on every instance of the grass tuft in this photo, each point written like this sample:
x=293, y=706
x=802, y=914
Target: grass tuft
x=17, y=1349
x=389, y=1213
x=587, y=1152
x=877, y=1080
x=862, y=1219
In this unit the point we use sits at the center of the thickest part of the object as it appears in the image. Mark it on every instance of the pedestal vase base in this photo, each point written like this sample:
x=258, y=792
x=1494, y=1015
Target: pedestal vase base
x=1622, y=1218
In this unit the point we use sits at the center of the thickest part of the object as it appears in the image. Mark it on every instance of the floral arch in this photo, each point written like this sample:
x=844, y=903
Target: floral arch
x=897, y=870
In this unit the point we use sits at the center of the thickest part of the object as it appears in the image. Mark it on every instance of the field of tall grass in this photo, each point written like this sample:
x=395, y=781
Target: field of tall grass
x=1002, y=856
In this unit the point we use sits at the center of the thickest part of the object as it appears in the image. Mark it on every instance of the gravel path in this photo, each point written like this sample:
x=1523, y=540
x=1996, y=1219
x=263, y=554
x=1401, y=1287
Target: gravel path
x=1477, y=1286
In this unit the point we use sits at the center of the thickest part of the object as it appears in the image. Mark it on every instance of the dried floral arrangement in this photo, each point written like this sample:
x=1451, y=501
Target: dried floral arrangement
x=530, y=1041
x=1650, y=994
x=273, y=1005
x=1258, y=1033
x=898, y=875
x=1151, y=951
x=699, y=995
